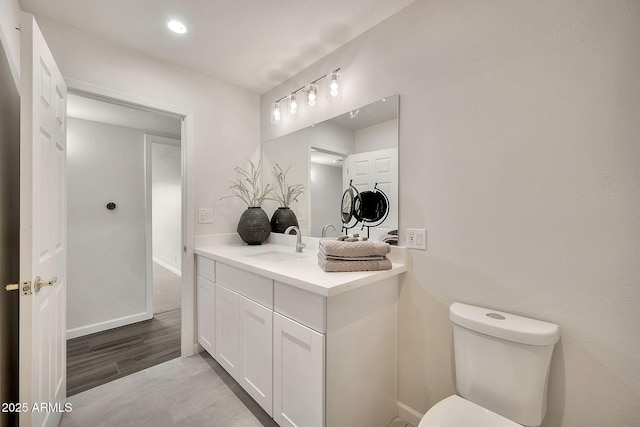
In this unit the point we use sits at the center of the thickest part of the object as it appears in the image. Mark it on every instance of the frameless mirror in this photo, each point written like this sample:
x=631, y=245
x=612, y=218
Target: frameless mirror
x=356, y=151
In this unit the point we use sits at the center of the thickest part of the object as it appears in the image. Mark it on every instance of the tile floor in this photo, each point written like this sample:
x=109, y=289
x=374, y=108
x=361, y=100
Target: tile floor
x=192, y=391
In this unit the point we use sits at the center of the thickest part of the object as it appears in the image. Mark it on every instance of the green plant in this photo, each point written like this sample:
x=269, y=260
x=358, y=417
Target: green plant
x=247, y=186
x=284, y=193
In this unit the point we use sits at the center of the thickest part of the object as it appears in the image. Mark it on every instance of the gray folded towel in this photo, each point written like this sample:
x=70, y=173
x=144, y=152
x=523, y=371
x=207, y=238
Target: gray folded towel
x=352, y=238
x=367, y=248
x=354, y=258
x=332, y=265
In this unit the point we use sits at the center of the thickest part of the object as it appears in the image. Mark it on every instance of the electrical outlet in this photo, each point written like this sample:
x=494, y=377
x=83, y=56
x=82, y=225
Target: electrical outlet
x=417, y=238
x=205, y=216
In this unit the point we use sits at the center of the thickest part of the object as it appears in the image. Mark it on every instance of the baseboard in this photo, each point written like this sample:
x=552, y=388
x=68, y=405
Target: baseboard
x=109, y=324
x=408, y=414
x=167, y=266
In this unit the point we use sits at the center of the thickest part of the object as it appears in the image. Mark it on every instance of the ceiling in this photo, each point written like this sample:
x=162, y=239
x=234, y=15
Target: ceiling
x=255, y=44
x=152, y=122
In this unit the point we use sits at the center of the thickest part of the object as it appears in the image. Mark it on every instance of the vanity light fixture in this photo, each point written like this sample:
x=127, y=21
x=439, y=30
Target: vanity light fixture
x=311, y=96
x=177, y=26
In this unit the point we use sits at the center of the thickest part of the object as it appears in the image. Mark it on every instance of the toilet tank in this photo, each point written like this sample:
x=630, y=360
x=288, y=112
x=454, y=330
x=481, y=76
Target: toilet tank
x=502, y=361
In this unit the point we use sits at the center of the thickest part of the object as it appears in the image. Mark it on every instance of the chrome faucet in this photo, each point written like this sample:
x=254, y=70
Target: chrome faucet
x=325, y=228
x=299, y=244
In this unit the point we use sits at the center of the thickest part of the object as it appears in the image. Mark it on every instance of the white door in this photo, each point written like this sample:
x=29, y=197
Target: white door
x=298, y=374
x=376, y=167
x=43, y=101
x=256, y=349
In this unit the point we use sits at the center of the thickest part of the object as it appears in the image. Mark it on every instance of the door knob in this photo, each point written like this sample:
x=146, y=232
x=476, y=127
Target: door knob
x=39, y=283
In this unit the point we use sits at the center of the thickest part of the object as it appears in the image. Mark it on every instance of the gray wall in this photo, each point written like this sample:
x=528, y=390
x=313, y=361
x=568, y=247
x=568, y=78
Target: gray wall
x=166, y=186
x=519, y=153
x=107, y=248
x=9, y=234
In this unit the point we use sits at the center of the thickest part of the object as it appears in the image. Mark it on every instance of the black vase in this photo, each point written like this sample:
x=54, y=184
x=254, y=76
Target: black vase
x=254, y=226
x=283, y=218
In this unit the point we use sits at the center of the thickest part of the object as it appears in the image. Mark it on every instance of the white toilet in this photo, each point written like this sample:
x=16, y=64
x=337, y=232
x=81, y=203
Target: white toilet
x=502, y=367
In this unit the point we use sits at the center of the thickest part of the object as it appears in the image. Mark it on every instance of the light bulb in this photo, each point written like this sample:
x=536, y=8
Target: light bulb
x=312, y=94
x=276, y=115
x=293, y=105
x=333, y=88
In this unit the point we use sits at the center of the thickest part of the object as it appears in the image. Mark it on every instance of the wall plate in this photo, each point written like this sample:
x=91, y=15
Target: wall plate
x=417, y=238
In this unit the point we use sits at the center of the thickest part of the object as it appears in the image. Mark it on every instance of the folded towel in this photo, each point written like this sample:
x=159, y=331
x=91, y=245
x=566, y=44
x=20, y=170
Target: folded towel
x=390, y=239
x=354, y=258
x=331, y=265
x=333, y=247
x=352, y=238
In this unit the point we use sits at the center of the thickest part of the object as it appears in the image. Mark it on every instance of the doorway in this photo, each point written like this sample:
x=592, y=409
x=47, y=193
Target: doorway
x=124, y=174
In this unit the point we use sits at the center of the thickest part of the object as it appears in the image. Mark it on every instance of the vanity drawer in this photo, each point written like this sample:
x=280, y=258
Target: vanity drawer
x=206, y=268
x=300, y=305
x=247, y=284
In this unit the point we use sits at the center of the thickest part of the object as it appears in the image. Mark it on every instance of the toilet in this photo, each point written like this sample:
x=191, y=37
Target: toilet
x=502, y=367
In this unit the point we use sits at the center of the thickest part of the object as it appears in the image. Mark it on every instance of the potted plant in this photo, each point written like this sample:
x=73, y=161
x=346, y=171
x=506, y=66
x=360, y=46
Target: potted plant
x=284, y=194
x=254, y=226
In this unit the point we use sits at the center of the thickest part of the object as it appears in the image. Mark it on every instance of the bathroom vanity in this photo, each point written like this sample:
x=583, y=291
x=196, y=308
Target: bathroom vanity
x=312, y=348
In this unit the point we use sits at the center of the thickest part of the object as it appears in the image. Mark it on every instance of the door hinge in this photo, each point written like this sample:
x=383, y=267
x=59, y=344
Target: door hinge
x=23, y=287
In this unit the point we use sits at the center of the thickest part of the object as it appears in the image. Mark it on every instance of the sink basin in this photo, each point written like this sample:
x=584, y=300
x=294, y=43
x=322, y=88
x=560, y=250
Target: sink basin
x=276, y=256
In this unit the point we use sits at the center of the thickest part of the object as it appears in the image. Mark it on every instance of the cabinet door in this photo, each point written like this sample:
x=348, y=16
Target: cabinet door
x=228, y=330
x=298, y=374
x=256, y=370
x=206, y=315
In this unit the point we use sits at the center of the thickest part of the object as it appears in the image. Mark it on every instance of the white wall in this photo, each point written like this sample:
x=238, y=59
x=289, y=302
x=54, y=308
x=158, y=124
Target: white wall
x=226, y=119
x=107, y=248
x=519, y=154
x=166, y=186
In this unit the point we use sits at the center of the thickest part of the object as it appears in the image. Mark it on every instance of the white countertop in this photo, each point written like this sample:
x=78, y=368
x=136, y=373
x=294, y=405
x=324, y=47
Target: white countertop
x=302, y=272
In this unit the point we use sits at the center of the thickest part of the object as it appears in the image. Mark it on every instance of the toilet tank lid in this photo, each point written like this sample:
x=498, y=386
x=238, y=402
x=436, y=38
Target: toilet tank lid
x=503, y=325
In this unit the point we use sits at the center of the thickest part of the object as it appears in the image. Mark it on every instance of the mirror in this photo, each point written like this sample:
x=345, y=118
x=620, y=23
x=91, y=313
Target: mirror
x=359, y=148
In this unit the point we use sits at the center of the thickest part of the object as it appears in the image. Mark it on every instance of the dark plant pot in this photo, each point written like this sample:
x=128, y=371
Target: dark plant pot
x=283, y=218
x=254, y=226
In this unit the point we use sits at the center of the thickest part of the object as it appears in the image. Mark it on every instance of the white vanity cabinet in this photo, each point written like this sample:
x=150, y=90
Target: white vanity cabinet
x=205, y=307
x=309, y=358
x=228, y=330
x=244, y=331
x=298, y=374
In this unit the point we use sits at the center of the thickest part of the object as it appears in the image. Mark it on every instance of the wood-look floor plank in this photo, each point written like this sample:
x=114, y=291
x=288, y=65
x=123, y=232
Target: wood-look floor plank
x=98, y=358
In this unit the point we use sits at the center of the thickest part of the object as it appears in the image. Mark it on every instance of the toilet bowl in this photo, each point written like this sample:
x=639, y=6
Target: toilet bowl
x=454, y=411
x=492, y=348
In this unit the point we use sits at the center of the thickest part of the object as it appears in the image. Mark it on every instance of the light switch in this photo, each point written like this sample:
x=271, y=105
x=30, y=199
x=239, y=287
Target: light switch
x=205, y=216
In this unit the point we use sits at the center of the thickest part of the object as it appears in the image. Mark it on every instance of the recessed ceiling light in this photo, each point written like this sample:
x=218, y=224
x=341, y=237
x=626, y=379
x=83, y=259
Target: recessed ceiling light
x=177, y=27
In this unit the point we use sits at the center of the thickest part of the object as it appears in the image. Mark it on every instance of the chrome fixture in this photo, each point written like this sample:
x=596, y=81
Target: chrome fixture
x=299, y=244
x=325, y=228
x=311, y=96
